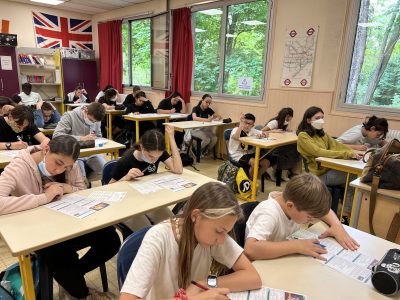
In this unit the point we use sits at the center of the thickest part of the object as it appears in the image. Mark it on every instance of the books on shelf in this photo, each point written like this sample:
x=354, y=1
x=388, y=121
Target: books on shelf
x=29, y=59
x=33, y=78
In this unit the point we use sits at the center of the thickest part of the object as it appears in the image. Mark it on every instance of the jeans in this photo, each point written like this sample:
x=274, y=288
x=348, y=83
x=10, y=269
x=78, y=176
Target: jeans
x=94, y=162
x=207, y=136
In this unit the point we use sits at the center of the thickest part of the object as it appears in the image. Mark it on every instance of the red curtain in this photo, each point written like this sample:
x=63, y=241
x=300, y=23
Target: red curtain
x=110, y=53
x=182, y=53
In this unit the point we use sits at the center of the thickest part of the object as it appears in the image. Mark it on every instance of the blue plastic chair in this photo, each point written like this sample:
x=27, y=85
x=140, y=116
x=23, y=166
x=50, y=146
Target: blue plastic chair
x=107, y=169
x=240, y=226
x=127, y=253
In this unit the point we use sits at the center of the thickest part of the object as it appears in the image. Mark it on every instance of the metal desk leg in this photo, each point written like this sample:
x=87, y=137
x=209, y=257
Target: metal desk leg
x=355, y=208
x=255, y=175
x=27, y=277
x=109, y=127
x=345, y=195
x=137, y=131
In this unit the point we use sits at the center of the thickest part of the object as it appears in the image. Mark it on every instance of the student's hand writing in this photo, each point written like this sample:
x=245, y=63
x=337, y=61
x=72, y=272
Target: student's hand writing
x=210, y=118
x=357, y=155
x=217, y=117
x=341, y=235
x=172, y=111
x=263, y=134
x=212, y=294
x=53, y=190
x=19, y=145
x=136, y=113
x=89, y=137
x=133, y=173
x=311, y=248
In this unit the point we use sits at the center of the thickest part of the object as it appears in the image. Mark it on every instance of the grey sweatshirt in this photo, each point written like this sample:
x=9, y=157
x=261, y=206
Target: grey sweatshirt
x=72, y=123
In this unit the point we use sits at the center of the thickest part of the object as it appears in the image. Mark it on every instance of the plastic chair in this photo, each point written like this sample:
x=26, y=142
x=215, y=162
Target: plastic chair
x=127, y=254
x=240, y=226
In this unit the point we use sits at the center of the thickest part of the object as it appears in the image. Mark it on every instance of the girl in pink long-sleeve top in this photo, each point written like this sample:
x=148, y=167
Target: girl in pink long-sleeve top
x=40, y=175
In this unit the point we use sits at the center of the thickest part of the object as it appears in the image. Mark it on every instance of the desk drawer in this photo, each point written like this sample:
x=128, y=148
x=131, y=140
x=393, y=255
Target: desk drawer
x=384, y=211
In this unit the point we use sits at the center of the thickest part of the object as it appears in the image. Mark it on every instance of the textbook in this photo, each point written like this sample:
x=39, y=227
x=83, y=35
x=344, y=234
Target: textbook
x=351, y=263
x=266, y=293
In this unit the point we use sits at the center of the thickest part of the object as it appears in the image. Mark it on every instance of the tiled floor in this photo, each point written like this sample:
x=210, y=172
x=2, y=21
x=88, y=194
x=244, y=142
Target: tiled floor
x=207, y=167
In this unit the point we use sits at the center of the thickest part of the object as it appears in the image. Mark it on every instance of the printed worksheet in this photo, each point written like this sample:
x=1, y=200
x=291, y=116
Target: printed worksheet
x=107, y=196
x=266, y=139
x=351, y=263
x=266, y=293
x=10, y=153
x=145, y=187
x=172, y=182
x=77, y=206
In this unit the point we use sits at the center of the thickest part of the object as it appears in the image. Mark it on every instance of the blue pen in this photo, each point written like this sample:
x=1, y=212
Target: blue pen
x=321, y=245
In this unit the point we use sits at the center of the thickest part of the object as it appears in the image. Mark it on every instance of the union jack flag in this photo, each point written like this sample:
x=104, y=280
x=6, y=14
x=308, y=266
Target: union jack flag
x=55, y=32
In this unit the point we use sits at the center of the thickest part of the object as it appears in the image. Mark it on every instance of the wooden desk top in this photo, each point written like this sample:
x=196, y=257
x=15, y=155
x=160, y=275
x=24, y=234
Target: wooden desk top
x=281, y=139
x=305, y=275
x=146, y=117
x=4, y=159
x=366, y=187
x=115, y=111
x=110, y=146
x=177, y=116
x=76, y=104
x=352, y=166
x=197, y=124
x=47, y=131
x=37, y=228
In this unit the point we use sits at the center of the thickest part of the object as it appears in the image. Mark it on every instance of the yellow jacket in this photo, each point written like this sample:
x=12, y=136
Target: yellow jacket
x=312, y=147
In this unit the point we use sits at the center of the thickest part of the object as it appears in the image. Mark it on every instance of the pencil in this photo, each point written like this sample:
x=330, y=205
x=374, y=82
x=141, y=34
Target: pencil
x=199, y=285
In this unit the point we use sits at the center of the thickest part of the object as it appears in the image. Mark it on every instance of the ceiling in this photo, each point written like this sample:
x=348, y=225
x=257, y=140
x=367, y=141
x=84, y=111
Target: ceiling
x=90, y=7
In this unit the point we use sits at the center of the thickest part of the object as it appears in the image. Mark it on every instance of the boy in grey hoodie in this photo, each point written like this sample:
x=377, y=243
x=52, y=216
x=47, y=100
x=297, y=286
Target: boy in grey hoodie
x=83, y=123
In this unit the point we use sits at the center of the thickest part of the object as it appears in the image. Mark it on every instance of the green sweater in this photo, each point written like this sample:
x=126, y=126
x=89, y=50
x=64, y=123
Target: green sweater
x=312, y=147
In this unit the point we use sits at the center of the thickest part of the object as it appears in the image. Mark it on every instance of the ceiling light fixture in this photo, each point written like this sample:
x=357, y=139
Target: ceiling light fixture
x=51, y=2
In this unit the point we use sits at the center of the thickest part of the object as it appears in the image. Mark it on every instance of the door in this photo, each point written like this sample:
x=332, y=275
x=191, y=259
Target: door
x=9, y=84
x=71, y=73
x=89, y=77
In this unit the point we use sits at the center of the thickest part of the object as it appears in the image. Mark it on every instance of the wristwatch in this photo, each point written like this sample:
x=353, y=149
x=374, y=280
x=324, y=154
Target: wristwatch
x=8, y=146
x=212, y=281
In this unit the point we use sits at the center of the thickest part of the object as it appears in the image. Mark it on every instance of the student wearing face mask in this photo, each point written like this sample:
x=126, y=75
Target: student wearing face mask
x=313, y=142
x=83, y=123
x=142, y=160
x=110, y=101
x=18, y=128
x=79, y=95
x=38, y=176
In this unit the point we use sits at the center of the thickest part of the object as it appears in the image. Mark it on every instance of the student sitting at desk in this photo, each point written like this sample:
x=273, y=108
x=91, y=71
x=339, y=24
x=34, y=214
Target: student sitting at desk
x=38, y=176
x=173, y=104
x=109, y=99
x=46, y=114
x=313, y=142
x=130, y=98
x=27, y=96
x=142, y=160
x=83, y=123
x=78, y=96
x=304, y=199
x=203, y=113
x=177, y=253
x=18, y=128
x=142, y=105
x=371, y=133
x=243, y=158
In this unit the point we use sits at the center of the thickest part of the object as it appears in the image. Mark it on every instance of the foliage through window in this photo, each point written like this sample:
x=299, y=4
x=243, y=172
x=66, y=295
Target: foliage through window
x=234, y=64
x=145, y=51
x=374, y=73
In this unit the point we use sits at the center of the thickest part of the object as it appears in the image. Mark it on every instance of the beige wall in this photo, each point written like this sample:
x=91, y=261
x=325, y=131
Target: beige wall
x=21, y=22
x=329, y=15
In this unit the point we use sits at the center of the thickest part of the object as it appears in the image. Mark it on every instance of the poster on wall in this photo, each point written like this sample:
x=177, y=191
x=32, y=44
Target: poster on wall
x=55, y=32
x=299, y=56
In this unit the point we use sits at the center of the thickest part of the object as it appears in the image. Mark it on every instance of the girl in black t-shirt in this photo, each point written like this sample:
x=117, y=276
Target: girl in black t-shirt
x=142, y=160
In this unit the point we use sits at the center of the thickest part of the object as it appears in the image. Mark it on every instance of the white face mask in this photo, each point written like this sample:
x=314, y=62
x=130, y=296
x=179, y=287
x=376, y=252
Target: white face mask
x=318, y=124
x=286, y=123
x=113, y=99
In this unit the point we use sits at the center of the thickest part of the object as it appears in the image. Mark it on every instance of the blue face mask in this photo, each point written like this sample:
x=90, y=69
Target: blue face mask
x=42, y=168
x=144, y=158
x=88, y=122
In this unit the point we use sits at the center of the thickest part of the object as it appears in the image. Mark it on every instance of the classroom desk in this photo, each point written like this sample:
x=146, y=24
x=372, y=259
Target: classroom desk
x=47, y=131
x=387, y=203
x=109, y=115
x=281, y=139
x=71, y=106
x=4, y=159
x=186, y=125
x=145, y=117
x=305, y=275
x=110, y=147
x=349, y=166
x=23, y=236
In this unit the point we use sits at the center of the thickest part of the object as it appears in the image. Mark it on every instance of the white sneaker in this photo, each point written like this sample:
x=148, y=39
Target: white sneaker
x=271, y=172
x=96, y=295
x=285, y=175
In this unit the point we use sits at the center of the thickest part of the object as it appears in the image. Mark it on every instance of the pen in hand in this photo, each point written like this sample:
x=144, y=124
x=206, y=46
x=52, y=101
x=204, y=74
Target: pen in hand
x=199, y=285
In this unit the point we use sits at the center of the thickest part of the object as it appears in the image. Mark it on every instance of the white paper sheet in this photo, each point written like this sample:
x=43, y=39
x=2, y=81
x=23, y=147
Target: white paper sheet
x=266, y=293
x=107, y=196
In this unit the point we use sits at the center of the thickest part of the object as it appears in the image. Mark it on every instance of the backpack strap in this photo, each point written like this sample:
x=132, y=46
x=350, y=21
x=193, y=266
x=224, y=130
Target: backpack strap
x=394, y=228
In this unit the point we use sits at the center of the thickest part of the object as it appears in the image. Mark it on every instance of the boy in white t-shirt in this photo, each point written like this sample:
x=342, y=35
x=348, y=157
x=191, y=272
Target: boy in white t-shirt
x=304, y=199
x=245, y=158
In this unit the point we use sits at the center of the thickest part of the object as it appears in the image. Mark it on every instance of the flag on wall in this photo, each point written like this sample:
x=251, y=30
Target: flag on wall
x=5, y=26
x=54, y=32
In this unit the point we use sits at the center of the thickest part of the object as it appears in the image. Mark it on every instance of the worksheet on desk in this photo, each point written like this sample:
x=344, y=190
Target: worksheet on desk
x=266, y=293
x=351, y=263
x=107, y=196
x=170, y=182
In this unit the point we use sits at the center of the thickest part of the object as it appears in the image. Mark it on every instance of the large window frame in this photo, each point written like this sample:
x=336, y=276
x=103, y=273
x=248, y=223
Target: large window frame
x=344, y=70
x=223, y=5
x=151, y=17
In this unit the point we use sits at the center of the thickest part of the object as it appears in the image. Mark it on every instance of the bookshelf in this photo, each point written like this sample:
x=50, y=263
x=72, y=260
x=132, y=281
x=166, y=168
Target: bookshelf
x=42, y=69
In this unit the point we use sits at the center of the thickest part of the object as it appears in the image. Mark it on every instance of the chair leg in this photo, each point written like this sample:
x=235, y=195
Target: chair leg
x=103, y=273
x=198, y=150
x=278, y=175
x=262, y=182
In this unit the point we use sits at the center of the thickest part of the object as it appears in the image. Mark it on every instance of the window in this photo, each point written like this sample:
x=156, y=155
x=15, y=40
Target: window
x=230, y=48
x=145, y=51
x=373, y=72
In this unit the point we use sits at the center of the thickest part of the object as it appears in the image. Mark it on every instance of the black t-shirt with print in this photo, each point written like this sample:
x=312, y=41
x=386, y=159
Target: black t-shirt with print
x=129, y=161
x=203, y=113
x=8, y=135
x=167, y=105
